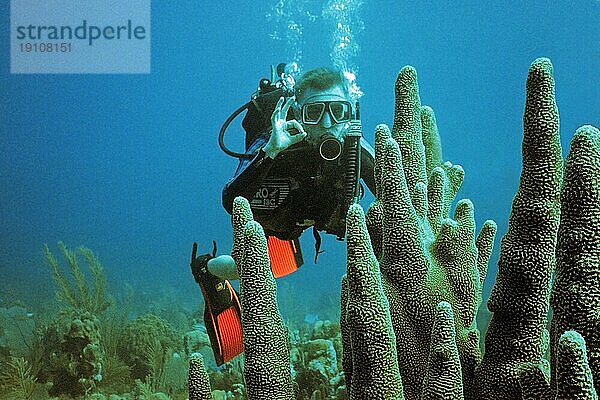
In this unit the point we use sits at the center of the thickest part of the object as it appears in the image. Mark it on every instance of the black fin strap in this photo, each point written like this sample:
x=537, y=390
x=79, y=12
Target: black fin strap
x=317, y=237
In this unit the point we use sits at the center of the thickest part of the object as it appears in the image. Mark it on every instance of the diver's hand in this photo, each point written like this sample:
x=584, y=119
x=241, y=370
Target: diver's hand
x=282, y=134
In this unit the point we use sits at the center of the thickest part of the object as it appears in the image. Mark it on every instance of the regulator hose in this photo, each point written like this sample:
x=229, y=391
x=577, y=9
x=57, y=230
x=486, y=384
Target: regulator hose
x=224, y=129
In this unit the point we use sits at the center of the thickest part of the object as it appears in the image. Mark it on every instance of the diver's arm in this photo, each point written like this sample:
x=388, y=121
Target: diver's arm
x=247, y=181
x=367, y=165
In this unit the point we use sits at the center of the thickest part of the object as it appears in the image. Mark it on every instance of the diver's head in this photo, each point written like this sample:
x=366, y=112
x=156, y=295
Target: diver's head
x=324, y=108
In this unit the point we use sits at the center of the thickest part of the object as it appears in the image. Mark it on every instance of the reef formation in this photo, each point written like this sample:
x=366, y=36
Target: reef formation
x=414, y=274
x=408, y=304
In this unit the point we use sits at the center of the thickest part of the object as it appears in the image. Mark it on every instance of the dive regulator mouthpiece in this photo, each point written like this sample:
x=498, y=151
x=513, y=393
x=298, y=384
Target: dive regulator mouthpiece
x=330, y=148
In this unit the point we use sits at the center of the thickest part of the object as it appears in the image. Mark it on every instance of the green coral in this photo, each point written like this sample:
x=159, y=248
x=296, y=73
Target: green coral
x=17, y=378
x=76, y=291
x=425, y=256
x=573, y=371
x=199, y=385
x=575, y=296
x=444, y=372
x=266, y=352
x=370, y=358
x=520, y=297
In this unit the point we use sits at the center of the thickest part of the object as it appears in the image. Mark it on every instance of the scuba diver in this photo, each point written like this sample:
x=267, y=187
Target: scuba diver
x=302, y=167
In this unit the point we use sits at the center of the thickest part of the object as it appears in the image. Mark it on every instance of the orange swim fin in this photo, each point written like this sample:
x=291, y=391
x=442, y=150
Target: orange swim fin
x=285, y=256
x=222, y=310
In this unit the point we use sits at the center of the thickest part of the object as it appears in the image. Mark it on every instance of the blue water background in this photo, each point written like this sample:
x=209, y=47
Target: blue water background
x=129, y=165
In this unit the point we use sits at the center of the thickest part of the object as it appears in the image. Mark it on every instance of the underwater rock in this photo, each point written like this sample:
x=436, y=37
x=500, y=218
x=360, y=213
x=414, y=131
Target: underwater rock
x=322, y=356
x=316, y=357
x=217, y=395
x=229, y=378
x=102, y=396
x=317, y=368
x=325, y=329
x=195, y=340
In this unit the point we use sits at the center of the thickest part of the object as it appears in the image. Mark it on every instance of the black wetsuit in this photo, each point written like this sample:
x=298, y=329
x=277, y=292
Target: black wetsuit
x=294, y=191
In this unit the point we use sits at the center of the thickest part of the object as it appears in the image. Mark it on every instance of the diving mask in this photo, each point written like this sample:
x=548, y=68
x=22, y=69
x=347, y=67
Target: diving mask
x=339, y=111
